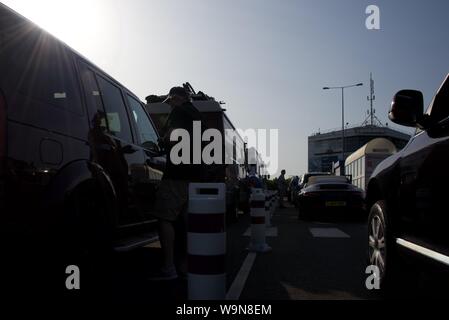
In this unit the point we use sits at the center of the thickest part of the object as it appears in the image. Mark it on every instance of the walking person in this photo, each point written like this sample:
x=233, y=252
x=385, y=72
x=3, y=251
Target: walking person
x=282, y=188
x=172, y=195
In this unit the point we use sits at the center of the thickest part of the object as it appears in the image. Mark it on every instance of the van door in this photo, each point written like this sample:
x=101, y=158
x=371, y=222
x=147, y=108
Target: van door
x=112, y=141
x=149, y=176
x=425, y=178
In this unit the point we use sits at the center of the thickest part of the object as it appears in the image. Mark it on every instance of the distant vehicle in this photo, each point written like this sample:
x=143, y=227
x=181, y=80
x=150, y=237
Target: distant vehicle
x=255, y=163
x=234, y=170
x=302, y=183
x=330, y=193
x=407, y=194
x=78, y=154
x=361, y=164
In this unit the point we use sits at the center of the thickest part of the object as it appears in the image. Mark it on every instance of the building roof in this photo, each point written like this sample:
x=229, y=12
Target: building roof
x=369, y=130
x=376, y=146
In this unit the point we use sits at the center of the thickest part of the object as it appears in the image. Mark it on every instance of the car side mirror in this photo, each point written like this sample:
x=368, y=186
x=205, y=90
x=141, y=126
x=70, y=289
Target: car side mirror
x=407, y=108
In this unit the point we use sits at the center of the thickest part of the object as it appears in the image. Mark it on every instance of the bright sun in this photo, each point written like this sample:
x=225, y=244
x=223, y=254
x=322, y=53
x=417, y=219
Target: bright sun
x=76, y=22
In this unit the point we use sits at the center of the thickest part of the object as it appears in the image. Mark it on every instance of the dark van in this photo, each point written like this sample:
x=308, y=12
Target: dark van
x=79, y=162
x=407, y=196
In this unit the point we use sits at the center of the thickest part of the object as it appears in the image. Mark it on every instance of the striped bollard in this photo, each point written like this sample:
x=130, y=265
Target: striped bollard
x=267, y=209
x=258, y=228
x=206, y=241
x=277, y=198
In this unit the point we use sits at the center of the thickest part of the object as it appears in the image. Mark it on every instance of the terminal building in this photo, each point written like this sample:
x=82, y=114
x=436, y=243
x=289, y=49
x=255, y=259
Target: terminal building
x=325, y=148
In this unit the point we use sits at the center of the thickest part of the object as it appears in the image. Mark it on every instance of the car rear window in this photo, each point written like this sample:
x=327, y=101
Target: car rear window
x=327, y=179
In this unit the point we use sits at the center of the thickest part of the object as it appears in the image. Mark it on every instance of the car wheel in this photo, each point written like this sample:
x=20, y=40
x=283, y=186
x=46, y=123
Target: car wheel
x=382, y=251
x=89, y=230
x=377, y=244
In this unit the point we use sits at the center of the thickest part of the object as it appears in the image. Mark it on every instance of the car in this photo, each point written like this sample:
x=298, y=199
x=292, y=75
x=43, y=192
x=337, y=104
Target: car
x=336, y=194
x=302, y=182
x=407, y=193
x=79, y=162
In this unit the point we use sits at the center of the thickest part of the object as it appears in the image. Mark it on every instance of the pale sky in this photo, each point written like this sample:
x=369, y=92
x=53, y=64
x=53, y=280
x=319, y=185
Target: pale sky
x=268, y=60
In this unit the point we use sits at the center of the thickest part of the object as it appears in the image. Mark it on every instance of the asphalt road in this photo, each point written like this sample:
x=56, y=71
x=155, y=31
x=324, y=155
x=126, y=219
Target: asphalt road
x=319, y=259
x=309, y=260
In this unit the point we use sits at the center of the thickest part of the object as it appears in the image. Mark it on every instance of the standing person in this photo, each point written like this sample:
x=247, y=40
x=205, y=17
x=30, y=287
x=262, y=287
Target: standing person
x=282, y=188
x=172, y=195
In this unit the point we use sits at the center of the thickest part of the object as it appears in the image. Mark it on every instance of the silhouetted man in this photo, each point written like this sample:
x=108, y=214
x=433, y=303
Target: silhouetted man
x=282, y=188
x=172, y=195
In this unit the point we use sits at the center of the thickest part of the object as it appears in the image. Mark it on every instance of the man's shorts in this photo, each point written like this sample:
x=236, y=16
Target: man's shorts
x=171, y=199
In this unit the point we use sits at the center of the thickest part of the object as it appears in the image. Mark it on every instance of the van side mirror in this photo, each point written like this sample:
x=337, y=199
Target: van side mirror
x=407, y=108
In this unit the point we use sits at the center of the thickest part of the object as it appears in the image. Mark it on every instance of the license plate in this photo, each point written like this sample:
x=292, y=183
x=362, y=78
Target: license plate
x=335, y=204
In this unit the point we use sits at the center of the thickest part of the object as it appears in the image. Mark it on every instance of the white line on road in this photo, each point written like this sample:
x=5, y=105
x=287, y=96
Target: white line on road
x=328, y=233
x=239, y=282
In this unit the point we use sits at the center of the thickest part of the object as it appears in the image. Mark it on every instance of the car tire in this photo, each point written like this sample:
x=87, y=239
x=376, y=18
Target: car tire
x=89, y=227
x=382, y=251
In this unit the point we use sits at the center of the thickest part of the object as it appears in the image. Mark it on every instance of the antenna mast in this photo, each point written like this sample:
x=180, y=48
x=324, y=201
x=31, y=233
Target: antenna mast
x=372, y=118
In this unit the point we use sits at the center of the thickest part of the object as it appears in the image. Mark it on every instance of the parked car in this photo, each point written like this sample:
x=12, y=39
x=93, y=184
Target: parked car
x=323, y=194
x=302, y=182
x=79, y=164
x=407, y=193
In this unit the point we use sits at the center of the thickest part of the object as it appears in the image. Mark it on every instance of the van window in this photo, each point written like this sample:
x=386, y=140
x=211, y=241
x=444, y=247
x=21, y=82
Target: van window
x=144, y=125
x=116, y=115
x=41, y=68
x=93, y=98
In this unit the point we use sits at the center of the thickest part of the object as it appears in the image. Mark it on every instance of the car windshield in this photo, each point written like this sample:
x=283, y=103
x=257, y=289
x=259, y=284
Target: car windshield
x=307, y=177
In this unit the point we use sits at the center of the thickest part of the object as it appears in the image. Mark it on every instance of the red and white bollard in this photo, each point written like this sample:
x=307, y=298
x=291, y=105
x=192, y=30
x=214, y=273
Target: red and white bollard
x=258, y=228
x=276, y=200
x=272, y=203
x=267, y=209
x=206, y=241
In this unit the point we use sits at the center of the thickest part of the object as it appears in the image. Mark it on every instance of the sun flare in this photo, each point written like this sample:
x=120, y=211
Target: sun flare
x=77, y=23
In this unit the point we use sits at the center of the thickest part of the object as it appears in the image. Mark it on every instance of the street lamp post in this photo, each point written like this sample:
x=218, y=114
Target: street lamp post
x=343, y=114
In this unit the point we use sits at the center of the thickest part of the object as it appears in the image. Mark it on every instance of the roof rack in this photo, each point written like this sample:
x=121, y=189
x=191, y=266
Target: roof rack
x=200, y=96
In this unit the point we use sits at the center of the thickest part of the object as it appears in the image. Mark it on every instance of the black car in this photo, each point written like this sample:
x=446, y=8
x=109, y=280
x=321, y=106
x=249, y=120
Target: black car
x=407, y=195
x=302, y=182
x=324, y=194
x=79, y=163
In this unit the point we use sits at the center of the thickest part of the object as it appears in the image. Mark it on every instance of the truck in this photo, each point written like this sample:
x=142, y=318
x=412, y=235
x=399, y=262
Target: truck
x=233, y=168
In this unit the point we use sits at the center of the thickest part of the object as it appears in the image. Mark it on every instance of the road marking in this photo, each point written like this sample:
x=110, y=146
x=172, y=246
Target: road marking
x=239, y=282
x=328, y=233
x=270, y=232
